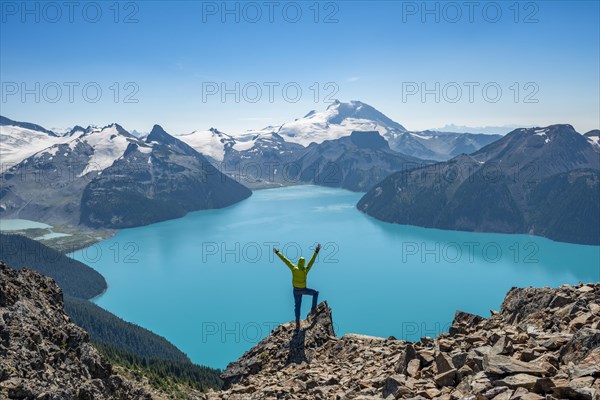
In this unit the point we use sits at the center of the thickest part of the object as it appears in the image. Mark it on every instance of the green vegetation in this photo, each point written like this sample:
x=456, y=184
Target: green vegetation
x=75, y=278
x=106, y=328
x=164, y=375
x=140, y=352
x=77, y=239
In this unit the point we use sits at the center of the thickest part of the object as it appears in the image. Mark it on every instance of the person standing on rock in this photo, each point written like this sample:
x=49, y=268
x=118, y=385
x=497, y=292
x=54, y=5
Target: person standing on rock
x=299, y=273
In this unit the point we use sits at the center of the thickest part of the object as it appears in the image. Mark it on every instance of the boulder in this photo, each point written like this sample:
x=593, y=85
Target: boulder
x=443, y=363
x=525, y=381
x=284, y=346
x=580, y=345
x=445, y=378
x=464, y=321
x=502, y=365
x=407, y=354
x=394, y=386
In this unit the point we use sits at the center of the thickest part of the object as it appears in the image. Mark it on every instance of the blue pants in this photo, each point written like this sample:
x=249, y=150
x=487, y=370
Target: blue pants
x=298, y=299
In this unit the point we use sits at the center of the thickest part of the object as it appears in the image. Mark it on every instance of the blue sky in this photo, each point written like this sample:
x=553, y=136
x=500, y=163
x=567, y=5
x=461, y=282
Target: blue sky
x=166, y=55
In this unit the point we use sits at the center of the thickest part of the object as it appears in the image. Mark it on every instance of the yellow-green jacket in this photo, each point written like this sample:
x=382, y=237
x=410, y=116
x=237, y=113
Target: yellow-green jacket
x=299, y=272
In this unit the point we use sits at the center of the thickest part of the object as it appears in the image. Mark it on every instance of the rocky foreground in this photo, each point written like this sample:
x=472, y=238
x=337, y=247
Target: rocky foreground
x=43, y=355
x=542, y=344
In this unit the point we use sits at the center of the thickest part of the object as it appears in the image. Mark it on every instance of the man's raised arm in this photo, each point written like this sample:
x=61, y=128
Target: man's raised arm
x=313, y=258
x=284, y=259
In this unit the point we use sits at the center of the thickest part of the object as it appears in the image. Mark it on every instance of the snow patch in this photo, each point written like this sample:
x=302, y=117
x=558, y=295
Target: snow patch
x=594, y=140
x=210, y=143
x=20, y=143
x=108, y=145
x=145, y=149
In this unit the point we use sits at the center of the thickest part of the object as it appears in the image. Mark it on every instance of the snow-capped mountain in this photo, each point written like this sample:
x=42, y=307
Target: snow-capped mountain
x=106, y=177
x=257, y=159
x=108, y=144
x=211, y=143
x=338, y=120
x=341, y=119
x=265, y=144
x=156, y=179
x=21, y=139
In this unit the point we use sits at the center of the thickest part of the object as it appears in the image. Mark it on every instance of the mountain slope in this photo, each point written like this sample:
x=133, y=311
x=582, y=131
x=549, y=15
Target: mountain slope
x=79, y=282
x=71, y=182
x=593, y=137
x=212, y=143
x=48, y=185
x=338, y=120
x=109, y=330
x=159, y=179
x=515, y=185
x=439, y=146
x=542, y=342
x=260, y=160
x=74, y=277
x=22, y=139
x=45, y=355
x=355, y=162
x=341, y=119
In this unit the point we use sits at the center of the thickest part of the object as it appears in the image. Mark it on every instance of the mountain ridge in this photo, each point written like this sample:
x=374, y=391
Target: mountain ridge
x=340, y=119
x=67, y=183
x=542, y=342
x=509, y=186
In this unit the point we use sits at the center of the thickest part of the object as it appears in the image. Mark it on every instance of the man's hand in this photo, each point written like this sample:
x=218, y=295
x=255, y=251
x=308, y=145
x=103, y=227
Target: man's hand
x=275, y=250
x=318, y=247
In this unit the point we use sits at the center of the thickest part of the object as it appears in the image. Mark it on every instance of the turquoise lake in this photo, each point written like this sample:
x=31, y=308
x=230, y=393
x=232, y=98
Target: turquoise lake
x=210, y=283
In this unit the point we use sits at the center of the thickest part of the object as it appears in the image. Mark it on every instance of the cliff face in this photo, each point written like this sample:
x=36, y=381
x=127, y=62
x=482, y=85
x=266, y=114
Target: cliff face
x=43, y=355
x=542, y=344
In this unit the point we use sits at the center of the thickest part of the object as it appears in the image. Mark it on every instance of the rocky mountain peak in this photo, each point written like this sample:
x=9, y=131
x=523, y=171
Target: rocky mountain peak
x=284, y=346
x=542, y=344
x=158, y=134
x=75, y=130
x=120, y=129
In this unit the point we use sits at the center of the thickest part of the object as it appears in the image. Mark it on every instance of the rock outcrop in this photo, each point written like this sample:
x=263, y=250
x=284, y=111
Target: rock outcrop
x=542, y=344
x=43, y=355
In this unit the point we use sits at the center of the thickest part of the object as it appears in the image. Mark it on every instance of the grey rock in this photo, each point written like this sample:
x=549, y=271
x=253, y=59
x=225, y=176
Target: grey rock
x=503, y=365
x=43, y=354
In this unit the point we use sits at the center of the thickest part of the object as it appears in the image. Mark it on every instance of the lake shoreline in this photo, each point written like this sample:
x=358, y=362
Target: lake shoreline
x=209, y=253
